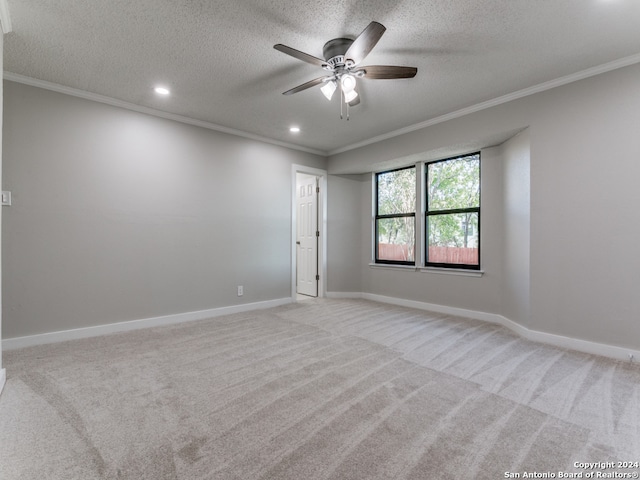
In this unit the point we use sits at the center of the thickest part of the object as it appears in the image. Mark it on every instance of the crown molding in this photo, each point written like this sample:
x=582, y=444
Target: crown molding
x=574, y=77
x=5, y=20
x=75, y=92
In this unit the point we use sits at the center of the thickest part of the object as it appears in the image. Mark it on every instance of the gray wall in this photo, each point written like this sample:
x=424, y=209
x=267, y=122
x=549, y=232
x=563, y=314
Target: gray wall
x=482, y=294
x=516, y=209
x=584, y=151
x=344, y=236
x=121, y=216
x=2, y=184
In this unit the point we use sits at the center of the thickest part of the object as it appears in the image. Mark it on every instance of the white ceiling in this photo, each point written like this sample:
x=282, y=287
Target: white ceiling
x=217, y=57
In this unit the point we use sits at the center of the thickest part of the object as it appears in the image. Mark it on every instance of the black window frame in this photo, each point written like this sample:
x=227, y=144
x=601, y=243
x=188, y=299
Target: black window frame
x=399, y=215
x=428, y=214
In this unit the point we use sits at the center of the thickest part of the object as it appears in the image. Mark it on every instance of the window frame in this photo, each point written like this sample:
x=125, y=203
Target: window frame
x=453, y=211
x=378, y=217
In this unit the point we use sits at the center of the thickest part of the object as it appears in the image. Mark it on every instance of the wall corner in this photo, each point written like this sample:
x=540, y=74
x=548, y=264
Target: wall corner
x=5, y=20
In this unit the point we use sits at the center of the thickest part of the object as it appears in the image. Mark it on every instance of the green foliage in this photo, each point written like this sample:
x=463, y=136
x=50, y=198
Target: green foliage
x=397, y=195
x=453, y=185
x=453, y=230
x=397, y=191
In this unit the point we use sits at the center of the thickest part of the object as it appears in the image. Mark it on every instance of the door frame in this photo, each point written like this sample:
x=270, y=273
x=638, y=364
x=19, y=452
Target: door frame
x=322, y=227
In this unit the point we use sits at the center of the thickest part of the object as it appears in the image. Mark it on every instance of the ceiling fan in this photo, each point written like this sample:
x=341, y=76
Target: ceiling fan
x=342, y=61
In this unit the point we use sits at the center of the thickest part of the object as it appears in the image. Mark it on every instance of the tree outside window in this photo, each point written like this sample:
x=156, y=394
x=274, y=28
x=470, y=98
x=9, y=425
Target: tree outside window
x=453, y=212
x=395, y=216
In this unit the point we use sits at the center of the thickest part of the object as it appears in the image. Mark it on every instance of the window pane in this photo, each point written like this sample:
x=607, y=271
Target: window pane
x=454, y=183
x=453, y=238
x=396, y=239
x=397, y=192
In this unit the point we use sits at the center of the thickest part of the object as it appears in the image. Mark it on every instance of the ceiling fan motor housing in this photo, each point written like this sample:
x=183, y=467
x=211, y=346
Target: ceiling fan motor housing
x=336, y=48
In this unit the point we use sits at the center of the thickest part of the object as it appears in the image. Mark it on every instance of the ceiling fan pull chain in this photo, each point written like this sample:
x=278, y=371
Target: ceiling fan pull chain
x=341, y=102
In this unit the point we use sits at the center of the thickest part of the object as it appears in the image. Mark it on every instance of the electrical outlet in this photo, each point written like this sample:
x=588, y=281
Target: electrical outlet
x=240, y=290
x=631, y=357
x=6, y=198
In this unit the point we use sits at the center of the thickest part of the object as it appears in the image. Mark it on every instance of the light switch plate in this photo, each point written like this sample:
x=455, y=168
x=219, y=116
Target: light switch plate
x=6, y=198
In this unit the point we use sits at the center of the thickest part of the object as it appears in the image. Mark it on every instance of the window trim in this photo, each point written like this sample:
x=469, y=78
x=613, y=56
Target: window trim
x=427, y=214
x=377, y=216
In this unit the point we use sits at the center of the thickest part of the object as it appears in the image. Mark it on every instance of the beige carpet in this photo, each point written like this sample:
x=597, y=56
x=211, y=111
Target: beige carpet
x=323, y=389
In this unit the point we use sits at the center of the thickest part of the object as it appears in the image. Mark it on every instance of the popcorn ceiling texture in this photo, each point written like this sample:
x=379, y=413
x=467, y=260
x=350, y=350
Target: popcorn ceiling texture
x=322, y=389
x=218, y=60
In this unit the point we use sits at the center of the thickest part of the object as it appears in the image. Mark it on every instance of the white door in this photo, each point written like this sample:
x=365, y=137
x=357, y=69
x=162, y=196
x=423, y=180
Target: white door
x=307, y=234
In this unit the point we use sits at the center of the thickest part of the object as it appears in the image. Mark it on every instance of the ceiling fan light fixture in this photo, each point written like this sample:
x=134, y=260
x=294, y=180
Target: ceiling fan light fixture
x=348, y=83
x=343, y=58
x=350, y=96
x=328, y=88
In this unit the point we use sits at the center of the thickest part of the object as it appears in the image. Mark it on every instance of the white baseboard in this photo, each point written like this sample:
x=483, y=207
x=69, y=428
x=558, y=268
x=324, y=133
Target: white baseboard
x=611, y=351
x=3, y=378
x=434, y=307
x=585, y=346
x=52, y=337
x=344, y=295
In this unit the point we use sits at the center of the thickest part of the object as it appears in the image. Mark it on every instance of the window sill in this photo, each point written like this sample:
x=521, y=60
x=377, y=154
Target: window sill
x=392, y=266
x=463, y=272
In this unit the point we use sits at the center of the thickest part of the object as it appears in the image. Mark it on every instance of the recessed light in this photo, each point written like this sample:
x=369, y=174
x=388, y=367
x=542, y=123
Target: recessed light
x=294, y=129
x=161, y=91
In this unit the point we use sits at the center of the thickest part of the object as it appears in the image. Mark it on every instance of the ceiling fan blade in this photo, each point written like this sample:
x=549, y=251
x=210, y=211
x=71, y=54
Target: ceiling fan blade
x=304, y=86
x=382, y=72
x=305, y=57
x=365, y=42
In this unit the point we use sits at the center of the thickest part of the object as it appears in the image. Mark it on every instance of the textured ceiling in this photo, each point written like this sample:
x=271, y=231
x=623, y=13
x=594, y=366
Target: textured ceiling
x=217, y=57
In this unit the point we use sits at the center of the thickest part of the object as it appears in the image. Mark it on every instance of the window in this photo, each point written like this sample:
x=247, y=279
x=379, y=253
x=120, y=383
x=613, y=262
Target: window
x=453, y=213
x=396, y=216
